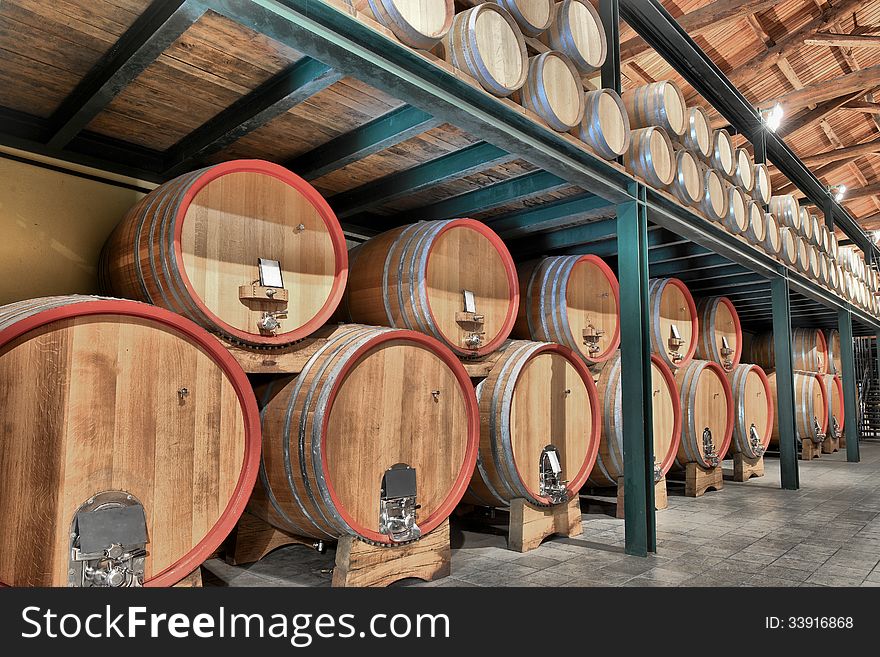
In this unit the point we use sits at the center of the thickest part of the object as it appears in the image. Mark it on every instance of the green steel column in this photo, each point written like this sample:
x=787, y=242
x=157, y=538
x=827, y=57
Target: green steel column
x=635, y=345
x=788, y=458
x=848, y=364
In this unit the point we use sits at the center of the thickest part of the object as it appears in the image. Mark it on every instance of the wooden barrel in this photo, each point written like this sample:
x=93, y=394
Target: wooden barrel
x=452, y=279
x=713, y=200
x=808, y=348
x=816, y=232
x=578, y=32
x=753, y=410
x=763, y=189
x=487, y=44
x=605, y=126
x=743, y=170
x=193, y=246
x=832, y=343
x=539, y=399
x=737, y=218
x=834, y=391
x=720, y=339
x=825, y=239
x=553, y=90
x=803, y=255
x=757, y=224
x=815, y=262
x=823, y=269
x=806, y=229
x=788, y=246
x=697, y=136
x=532, y=16
x=706, y=412
x=673, y=321
x=573, y=301
x=772, y=242
x=417, y=24
x=657, y=104
x=665, y=410
x=810, y=407
x=786, y=210
x=835, y=247
x=369, y=401
x=110, y=404
x=687, y=183
x=650, y=156
x=833, y=274
x=721, y=154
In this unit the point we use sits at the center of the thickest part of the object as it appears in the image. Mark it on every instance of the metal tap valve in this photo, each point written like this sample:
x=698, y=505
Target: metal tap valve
x=591, y=336
x=755, y=441
x=552, y=485
x=397, y=504
x=710, y=455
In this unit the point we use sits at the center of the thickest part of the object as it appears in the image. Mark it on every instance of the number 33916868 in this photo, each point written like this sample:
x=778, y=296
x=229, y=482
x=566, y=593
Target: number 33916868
x=809, y=623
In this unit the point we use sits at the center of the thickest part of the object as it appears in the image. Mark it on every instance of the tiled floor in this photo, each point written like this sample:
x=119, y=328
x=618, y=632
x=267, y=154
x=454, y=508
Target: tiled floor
x=752, y=534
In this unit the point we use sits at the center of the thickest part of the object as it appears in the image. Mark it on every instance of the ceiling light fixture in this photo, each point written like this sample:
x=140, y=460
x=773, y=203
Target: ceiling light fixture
x=773, y=117
x=839, y=192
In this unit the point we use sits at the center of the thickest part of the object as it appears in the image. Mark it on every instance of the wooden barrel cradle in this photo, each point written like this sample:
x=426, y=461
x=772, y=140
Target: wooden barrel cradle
x=650, y=156
x=687, y=184
x=743, y=170
x=713, y=199
x=605, y=126
x=416, y=23
x=532, y=16
x=125, y=409
x=673, y=321
x=772, y=242
x=737, y=218
x=194, y=244
x=788, y=246
x=753, y=410
x=658, y=104
x=706, y=414
x=834, y=391
x=697, y=136
x=486, y=43
x=370, y=401
x=756, y=230
x=786, y=210
x=553, y=90
x=453, y=279
x=720, y=339
x=578, y=32
x=810, y=407
x=665, y=410
x=538, y=400
x=573, y=301
x=721, y=154
x=763, y=189
x=808, y=346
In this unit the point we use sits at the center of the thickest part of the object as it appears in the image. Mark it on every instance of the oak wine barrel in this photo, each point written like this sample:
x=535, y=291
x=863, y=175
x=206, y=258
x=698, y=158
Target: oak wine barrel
x=697, y=136
x=806, y=229
x=743, y=170
x=658, y=104
x=832, y=341
x=810, y=407
x=720, y=339
x=833, y=274
x=808, y=347
x=835, y=245
x=650, y=156
x=114, y=406
x=193, y=245
x=757, y=224
x=816, y=230
x=753, y=410
x=721, y=153
x=453, y=279
x=577, y=31
x=737, y=218
x=834, y=391
x=553, y=90
x=824, y=270
x=369, y=401
x=803, y=255
x=605, y=126
x=538, y=399
x=573, y=301
x=673, y=321
x=713, y=200
x=486, y=43
x=687, y=184
x=788, y=246
x=825, y=238
x=763, y=189
x=786, y=210
x=532, y=16
x=772, y=242
x=665, y=410
x=417, y=24
x=707, y=414
x=815, y=262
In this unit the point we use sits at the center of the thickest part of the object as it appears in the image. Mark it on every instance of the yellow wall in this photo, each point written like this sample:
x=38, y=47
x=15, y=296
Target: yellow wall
x=52, y=228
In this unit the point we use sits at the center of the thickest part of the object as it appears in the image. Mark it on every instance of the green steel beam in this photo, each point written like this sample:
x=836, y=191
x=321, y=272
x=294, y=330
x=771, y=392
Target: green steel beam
x=788, y=458
x=388, y=130
x=551, y=216
x=600, y=234
x=704, y=273
x=658, y=239
x=850, y=392
x=741, y=283
x=403, y=183
x=638, y=457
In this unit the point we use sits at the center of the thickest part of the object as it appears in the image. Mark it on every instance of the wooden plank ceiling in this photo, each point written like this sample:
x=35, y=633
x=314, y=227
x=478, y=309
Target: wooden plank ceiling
x=820, y=59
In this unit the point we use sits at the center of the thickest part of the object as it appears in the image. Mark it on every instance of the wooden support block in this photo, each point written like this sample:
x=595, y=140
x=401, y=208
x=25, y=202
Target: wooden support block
x=744, y=468
x=191, y=581
x=529, y=525
x=830, y=445
x=661, y=499
x=841, y=441
x=810, y=450
x=698, y=480
x=252, y=539
x=362, y=564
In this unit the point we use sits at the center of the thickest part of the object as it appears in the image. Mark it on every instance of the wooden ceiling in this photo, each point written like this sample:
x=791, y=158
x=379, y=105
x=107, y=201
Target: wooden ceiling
x=819, y=59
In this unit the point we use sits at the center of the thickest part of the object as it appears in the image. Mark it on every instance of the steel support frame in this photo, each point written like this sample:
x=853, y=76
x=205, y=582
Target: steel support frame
x=635, y=345
x=850, y=390
x=788, y=457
